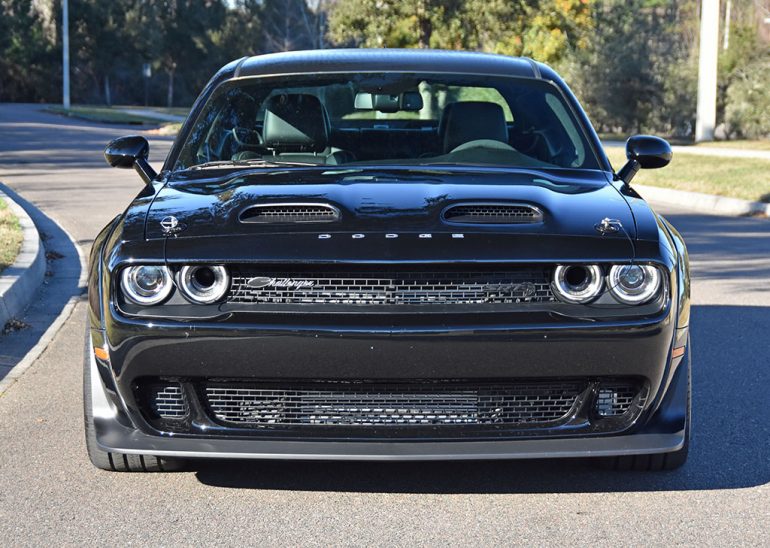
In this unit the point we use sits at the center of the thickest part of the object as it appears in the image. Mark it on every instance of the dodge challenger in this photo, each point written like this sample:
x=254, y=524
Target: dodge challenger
x=387, y=255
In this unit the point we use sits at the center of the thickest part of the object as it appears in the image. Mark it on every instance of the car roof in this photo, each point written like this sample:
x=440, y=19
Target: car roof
x=374, y=60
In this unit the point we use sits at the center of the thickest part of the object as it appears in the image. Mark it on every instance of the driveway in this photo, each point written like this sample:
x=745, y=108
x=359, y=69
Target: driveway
x=50, y=494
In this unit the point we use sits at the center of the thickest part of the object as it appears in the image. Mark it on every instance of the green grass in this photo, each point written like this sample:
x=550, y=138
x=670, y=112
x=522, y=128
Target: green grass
x=745, y=178
x=747, y=144
x=101, y=114
x=744, y=144
x=10, y=236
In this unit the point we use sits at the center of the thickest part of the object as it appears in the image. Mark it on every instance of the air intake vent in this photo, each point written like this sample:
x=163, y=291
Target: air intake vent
x=616, y=398
x=167, y=402
x=290, y=213
x=360, y=404
x=499, y=214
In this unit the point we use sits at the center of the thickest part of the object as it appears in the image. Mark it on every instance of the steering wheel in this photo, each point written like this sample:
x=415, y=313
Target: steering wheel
x=246, y=137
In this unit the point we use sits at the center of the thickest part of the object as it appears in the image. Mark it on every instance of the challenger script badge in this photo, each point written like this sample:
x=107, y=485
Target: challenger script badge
x=261, y=282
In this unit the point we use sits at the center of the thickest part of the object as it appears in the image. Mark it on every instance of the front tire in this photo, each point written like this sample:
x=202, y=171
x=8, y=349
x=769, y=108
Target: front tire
x=105, y=460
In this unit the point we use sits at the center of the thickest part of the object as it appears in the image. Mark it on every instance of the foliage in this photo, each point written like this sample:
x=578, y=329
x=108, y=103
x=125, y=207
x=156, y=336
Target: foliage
x=10, y=236
x=634, y=75
x=748, y=100
x=544, y=29
x=633, y=63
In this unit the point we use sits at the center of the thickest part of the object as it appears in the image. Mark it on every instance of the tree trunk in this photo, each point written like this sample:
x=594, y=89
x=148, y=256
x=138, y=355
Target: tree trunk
x=170, y=93
x=107, y=94
x=424, y=26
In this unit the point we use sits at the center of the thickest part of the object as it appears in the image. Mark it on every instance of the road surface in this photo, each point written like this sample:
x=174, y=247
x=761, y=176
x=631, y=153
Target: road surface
x=50, y=494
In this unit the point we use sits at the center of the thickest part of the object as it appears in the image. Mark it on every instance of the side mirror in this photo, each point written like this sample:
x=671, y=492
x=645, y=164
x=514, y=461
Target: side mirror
x=131, y=152
x=644, y=152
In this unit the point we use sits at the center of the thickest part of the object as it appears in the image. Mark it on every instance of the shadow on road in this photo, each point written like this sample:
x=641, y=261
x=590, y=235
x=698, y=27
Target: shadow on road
x=59, y=286
x=730, y=447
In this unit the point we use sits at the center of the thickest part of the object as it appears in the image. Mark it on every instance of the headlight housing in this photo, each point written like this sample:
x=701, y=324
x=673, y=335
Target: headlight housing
x=577, y=284
x=146, y=284
x=633, y=283
x=203, y=284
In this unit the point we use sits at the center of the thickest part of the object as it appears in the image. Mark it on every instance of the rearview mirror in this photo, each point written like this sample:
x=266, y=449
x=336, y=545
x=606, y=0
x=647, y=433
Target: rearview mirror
x=389, y=102
x=131, y=152
x=644, y=152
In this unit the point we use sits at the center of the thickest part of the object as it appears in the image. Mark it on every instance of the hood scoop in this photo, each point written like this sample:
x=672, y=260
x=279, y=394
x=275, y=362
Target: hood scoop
x=286, y=213
x=492, y=213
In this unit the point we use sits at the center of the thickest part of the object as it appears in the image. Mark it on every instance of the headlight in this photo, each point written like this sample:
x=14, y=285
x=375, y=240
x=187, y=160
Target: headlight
x=634, y=284
x=577, y=283
x=146, y=284
x=203, y=284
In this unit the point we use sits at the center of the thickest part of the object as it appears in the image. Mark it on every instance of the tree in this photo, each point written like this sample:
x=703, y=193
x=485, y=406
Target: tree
x=27, y=51
x=289, y=25
x=544, y=29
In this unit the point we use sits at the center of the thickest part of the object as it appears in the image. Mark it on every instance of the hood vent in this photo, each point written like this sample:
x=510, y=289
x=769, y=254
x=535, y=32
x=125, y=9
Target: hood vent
x=290, y=213
x=497, y=214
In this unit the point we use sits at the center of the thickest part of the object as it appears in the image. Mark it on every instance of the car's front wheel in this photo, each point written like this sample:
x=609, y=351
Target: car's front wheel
x=105, y=460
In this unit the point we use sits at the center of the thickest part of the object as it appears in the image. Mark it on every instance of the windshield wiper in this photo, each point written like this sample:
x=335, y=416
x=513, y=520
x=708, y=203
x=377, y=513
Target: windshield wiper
x=256, y=162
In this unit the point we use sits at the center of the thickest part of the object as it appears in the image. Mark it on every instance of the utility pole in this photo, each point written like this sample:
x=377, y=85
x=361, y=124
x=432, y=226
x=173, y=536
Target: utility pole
x=707, y=71
x=65, y=43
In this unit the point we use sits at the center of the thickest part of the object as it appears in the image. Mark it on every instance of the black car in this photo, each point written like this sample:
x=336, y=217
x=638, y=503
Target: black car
x=387, y=255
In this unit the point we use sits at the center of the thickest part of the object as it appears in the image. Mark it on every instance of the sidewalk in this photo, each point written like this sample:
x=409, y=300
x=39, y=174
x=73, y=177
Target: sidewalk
x=707, y=151
x=152, y=114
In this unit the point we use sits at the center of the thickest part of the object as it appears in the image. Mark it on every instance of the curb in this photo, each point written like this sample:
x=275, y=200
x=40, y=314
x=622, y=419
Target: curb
x=53, y=328
x=20, y=281
x=703, y=203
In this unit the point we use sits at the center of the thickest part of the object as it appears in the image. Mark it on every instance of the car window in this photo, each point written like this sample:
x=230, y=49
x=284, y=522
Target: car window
x=389, y=118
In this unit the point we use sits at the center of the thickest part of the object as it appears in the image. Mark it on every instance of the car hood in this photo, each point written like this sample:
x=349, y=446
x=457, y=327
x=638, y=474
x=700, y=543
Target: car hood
x=372, y=203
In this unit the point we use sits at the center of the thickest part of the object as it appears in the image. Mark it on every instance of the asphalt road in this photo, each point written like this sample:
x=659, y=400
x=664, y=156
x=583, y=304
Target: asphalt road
x=50, y=494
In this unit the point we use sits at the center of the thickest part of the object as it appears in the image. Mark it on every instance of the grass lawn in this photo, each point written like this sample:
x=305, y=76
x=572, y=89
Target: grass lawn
x=742, y=144
x=745, y=178
x=10, y=236
x=101, y=114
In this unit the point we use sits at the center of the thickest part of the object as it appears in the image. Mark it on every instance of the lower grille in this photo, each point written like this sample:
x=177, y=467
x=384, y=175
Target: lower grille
x=615, y=399
x=370, y=286
x=167, y=402
x=350, y=404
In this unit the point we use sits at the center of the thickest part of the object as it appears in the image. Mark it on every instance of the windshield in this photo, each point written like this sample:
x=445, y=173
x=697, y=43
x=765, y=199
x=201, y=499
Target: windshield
x=387, y=119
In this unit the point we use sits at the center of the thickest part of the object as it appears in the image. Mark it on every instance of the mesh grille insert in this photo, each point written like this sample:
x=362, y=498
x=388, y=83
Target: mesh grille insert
x=367, y=286
x=168, y=401
x=493, y=214
x=290, y=213
x=615, y=399
x=350, y=404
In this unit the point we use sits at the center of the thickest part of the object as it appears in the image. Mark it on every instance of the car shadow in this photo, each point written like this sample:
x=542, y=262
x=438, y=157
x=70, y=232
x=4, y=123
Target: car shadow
x=730, y=445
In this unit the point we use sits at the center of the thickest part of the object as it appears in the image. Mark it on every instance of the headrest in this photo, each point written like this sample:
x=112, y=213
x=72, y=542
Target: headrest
x=472, y=120
x=296, y=122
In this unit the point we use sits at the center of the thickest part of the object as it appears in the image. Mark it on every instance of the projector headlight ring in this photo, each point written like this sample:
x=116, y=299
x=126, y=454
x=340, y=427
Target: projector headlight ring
x=146, y=284
x=634, y=284
x=577, y=284
x=204, y=284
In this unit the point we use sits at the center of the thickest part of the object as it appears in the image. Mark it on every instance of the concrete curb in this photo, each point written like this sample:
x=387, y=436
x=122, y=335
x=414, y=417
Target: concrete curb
x=53, y=328
x=20, y=281
x=703, y=203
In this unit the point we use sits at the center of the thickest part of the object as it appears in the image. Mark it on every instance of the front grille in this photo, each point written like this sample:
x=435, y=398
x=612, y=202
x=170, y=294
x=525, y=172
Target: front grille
x=493, y=214
x=290, y=213
x=371, y=286
x=615, y=399
x=167, y=402
x=271, y=405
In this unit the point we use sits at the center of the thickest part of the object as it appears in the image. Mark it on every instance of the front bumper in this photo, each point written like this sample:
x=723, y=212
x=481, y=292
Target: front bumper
x=661, y=429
